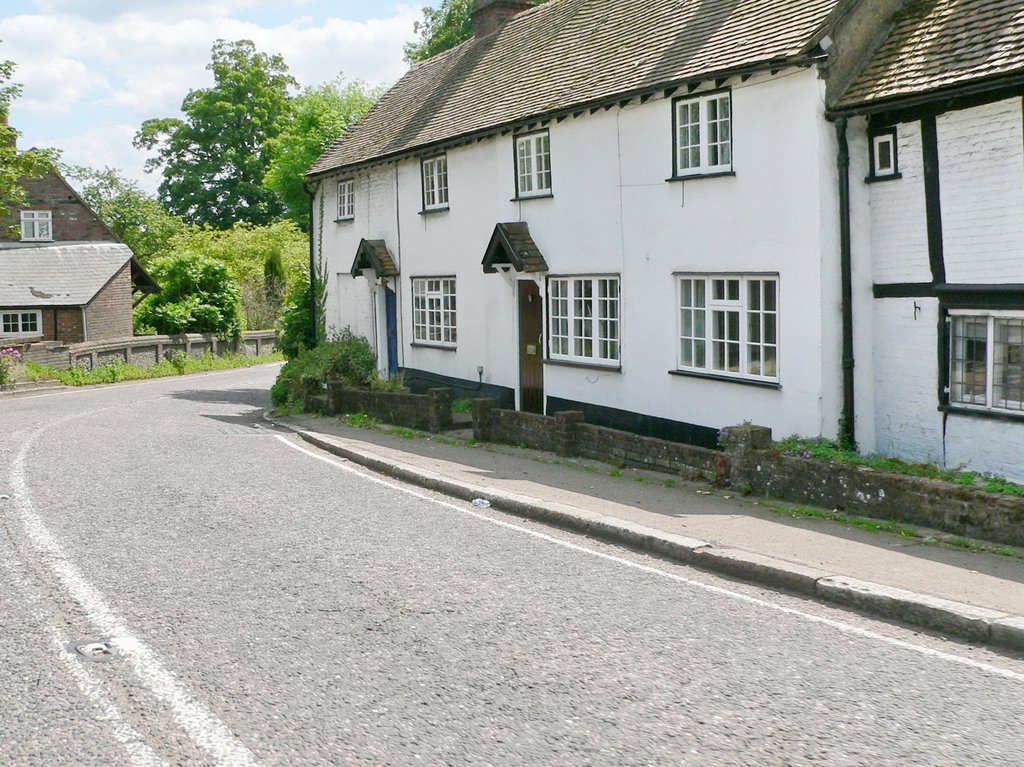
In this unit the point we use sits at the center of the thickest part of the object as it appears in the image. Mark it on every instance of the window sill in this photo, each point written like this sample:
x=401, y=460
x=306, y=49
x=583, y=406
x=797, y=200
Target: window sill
x=996, y=415
x=525, y=197
x=38, y=240
x=432, y=211
x=692, y=176
x=438, y=347
x=584, y=365
x=886, y=177
x=727, y=379
x=347, y=220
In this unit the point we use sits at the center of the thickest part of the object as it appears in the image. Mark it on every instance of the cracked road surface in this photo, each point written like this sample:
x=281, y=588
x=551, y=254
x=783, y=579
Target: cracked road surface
x=269, y=604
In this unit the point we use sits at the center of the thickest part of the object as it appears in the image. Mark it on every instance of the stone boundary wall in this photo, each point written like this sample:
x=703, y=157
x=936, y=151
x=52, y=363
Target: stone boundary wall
x=148, y=350
x=427, y=412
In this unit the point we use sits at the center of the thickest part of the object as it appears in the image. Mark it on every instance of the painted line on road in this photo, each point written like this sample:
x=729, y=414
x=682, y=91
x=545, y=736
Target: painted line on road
x=846, y=628
x=198, y=722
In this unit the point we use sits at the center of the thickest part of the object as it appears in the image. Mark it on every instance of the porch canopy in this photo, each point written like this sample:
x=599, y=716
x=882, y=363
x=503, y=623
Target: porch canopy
x=512, y=246
x=374, y=254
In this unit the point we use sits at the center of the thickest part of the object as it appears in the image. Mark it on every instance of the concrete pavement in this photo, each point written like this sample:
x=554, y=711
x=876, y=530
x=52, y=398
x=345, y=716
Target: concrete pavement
x=977, y=596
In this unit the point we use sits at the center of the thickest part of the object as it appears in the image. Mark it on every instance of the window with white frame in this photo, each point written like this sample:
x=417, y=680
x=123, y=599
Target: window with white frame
x=533, y=165
x=703, y=133
x=987, y=360
x=346, y=200
x=435, y=183
x=584, y=319
x=36, y=225
x=20, y=324
x=728, y=325
x=884, y=162
x=433, y=311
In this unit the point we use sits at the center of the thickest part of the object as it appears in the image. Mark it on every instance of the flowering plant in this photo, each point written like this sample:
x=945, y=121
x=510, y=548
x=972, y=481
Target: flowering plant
x=9, y=357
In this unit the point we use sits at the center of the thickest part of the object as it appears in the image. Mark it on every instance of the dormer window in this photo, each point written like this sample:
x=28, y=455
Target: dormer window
x=435, y=183
x=533, y=165
x=36, y=226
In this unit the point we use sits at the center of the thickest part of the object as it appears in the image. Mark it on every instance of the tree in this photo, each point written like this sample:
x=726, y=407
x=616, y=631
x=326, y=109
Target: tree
x=200, y=295
x=442, y=28
x=138, y=219
x=15, y=166
x=319, y=116
x=215, y=159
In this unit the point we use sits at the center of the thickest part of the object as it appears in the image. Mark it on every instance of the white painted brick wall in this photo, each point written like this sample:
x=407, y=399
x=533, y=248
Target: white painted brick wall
x=981, y=171
x=986, y=445
x=907, y=421
x=899, y=225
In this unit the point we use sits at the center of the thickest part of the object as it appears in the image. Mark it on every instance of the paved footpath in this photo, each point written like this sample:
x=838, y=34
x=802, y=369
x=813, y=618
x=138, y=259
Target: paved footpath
x=972, y=595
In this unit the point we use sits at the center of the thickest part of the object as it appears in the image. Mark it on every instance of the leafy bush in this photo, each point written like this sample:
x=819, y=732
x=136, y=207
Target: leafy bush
x=297, y=320
x=9, y=359
x=200, y=295
x=348, y=358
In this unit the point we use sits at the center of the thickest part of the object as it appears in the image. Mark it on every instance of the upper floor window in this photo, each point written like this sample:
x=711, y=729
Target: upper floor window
x=703, y=132
x=533, y=165
x=583, y=319
x=435, y=183
x=19, y=324
x=36, y=225
x=346, y=200
x=433, y=311
x=987, y=360
x=728, y=325
x=883, y=159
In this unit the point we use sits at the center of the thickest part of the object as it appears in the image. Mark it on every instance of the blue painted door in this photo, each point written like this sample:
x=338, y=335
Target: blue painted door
x=391, y=310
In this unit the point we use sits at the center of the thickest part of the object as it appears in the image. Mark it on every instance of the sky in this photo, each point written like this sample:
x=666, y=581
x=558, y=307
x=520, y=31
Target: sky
x=93, y=70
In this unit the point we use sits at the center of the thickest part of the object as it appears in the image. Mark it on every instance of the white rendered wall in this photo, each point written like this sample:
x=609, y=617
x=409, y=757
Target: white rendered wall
x=614, y=213
x=899, y=225
x=981, y=171
x=986, y=445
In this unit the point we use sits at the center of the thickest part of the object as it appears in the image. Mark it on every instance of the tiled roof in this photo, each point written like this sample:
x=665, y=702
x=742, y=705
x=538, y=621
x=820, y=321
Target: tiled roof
x=574, y=53
x=374, y=254
x=937, y=44
x=58, y=275
x=512, y=244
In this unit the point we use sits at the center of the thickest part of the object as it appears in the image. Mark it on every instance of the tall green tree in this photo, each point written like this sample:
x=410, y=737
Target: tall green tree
x=442, y=28
x=319, y=115
x=214, y=161
x=138, y=219
x=15, y=166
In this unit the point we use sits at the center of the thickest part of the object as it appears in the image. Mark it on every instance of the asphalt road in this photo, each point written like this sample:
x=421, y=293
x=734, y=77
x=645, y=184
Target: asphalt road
x=268, y=604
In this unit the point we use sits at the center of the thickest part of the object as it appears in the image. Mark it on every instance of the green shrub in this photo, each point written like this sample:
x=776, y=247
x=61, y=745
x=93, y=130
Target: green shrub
x=297, y=320
x=347, y=358
x=199, y=295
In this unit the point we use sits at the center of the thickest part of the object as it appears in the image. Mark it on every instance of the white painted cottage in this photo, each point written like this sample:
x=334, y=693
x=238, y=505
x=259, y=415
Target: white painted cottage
x=630, y=209
x=936, y=131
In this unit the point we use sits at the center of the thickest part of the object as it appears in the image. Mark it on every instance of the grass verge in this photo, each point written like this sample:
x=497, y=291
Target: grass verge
x=117, y=371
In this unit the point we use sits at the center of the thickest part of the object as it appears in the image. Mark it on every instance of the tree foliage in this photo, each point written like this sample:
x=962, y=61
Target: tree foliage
x=200, y=295
x=16, y=166
x=214, y=161
x=318, y=116
x=138, y=219
x=442, y=28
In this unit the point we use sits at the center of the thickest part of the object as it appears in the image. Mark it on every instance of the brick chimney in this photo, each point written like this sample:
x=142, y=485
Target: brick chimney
x=489, y=15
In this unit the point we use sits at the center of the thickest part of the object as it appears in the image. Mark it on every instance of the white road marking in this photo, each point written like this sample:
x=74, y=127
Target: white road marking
x=201, y=725
x=839, y=625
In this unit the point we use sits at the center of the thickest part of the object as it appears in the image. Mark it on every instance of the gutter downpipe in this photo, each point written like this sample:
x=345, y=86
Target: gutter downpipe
x=847, y=430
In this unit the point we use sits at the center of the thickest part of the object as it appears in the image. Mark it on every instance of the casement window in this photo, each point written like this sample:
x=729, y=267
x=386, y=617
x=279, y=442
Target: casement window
x=36, y=226
x=728, y=325
x=583, y=320
x=20, y=324
x=703, y=134
x=346, y=200
x=987, y=360
x=884, y=159
x=533, y=165
x=435, y=183
x=433, y=311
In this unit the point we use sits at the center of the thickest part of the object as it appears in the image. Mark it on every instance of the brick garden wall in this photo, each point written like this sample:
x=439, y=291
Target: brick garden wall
x=427, y=412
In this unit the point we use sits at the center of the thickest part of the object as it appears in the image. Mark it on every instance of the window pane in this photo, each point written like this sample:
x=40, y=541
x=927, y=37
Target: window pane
x=968, y=361
x=1008, y=365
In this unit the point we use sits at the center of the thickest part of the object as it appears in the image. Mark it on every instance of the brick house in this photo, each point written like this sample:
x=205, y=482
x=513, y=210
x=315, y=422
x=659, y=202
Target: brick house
x=64, y=276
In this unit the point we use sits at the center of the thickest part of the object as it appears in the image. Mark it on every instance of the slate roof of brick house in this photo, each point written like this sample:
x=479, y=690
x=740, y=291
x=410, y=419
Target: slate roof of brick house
x=570, y=54
x=936, y=45
x=63, y=275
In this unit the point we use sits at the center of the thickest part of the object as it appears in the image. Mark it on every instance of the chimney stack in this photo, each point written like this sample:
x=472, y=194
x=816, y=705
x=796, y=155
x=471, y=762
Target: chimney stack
x=489, y=15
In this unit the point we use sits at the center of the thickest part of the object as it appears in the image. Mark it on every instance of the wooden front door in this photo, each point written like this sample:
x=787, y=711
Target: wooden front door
x=531, y=348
